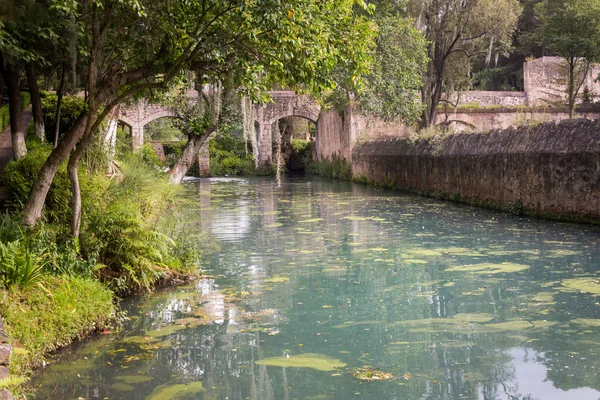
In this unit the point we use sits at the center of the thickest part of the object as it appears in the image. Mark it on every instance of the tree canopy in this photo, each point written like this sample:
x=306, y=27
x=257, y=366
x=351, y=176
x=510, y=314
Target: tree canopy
x=571, y=29
x=458, y=31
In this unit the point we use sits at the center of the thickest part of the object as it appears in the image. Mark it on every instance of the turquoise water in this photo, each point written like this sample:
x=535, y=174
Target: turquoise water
x=321, y=284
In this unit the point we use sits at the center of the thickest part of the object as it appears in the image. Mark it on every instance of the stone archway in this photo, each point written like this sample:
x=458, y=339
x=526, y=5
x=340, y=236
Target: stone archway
x=139, y=115
x=285, y=104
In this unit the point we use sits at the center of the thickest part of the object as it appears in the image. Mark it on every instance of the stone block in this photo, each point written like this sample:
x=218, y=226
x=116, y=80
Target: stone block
x=6, y=395
x=4, y=372
x=5, y=352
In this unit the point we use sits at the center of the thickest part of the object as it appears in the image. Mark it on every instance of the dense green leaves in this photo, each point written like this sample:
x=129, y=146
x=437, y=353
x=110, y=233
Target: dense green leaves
x=395, y=77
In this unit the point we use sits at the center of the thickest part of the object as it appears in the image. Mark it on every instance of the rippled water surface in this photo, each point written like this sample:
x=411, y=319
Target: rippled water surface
x=321, y=283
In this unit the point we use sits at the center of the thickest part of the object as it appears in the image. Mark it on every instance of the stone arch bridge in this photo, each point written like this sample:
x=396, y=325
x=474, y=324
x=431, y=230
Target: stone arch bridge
x=285, y=104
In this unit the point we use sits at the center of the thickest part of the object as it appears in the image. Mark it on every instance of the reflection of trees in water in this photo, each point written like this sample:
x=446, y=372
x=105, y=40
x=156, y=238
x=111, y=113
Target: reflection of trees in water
x=330, y=263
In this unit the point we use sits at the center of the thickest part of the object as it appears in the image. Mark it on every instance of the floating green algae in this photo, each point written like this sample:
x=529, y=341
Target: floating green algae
x=490, y=268
x=173, y=392
x=129, y=379
x=122, y=387
x=587, y=285
x=459, y=251
x=589, y=322
x=319, y=362
x=423, y=252
x=277, y=279
x=167, y=330
x=473, y=317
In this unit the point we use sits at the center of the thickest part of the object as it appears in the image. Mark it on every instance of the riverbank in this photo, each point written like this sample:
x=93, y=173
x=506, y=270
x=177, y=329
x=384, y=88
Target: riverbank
x=548, y=170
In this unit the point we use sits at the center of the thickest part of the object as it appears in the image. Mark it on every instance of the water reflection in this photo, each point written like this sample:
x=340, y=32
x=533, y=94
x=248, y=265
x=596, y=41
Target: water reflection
x=454, y=301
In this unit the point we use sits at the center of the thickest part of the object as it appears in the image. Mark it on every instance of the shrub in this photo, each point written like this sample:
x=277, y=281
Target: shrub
x=19, y=176
x=133, y=254
x=337, y=168
x=228, y=156
x=71, y=108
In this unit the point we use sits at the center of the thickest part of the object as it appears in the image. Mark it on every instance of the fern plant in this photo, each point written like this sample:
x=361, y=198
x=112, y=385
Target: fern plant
x=19, y=265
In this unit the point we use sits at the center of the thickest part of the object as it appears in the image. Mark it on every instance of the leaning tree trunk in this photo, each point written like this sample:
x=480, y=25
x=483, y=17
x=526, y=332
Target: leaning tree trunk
x=61, y=90
x=36, y=101
x=188, y=157
x=35, y=203
x=15, y=111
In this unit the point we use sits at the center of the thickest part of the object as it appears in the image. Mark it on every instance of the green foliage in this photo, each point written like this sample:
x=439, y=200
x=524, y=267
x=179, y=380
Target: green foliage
x=4, y=114
x=173, y=151
x=228, y=156
x=300, y=146
x=19, y=176
x=132, y=253
x=571, y=29
x=337, y=168
x=149, y=156
x=457, y=33
x=395, y=76
x=19, y=266
x=71, y=108
x=162, y=129
x=53, y=314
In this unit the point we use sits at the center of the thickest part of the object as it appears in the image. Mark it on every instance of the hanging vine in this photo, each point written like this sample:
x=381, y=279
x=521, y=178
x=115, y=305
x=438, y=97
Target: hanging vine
x=278, y=139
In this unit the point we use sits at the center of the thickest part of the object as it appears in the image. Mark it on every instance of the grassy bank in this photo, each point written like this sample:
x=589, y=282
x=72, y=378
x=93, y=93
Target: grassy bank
x=55, y=289
x=50, y=314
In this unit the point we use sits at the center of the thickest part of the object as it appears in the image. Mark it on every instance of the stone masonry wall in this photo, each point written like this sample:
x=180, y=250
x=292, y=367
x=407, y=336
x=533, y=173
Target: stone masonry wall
x=552, y=169
x=5, y=353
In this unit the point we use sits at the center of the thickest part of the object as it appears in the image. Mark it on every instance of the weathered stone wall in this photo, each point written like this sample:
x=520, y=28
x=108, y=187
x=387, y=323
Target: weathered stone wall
x=545, y=81
x=552, y=169
x=484, y=119
x=490, y=98
x=5, y=353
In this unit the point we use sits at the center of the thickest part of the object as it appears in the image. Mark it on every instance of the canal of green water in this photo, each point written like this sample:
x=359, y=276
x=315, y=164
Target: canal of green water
x=328, y=290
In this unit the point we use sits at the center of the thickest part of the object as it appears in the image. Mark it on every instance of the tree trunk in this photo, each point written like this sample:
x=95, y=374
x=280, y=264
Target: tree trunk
x=35, y=203
x=36, y=101
x=12, y=76
x=571, y=91
x=189, y=156
x=61, y=90
x=109, y=139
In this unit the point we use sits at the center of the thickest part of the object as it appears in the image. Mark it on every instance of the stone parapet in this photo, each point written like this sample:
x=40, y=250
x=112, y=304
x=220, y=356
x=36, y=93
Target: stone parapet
x=551, y=169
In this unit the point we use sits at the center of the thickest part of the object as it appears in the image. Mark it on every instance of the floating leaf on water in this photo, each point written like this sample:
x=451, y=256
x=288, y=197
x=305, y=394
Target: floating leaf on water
x=174, y=392
x=490, y=268
x=319, y=362
x=449, y=284
x=372, y=374
x=587, y=285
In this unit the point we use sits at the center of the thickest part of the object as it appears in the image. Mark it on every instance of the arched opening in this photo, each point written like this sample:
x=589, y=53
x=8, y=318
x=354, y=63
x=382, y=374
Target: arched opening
x=163, y=129
x=297, y=134
x=123, y=139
